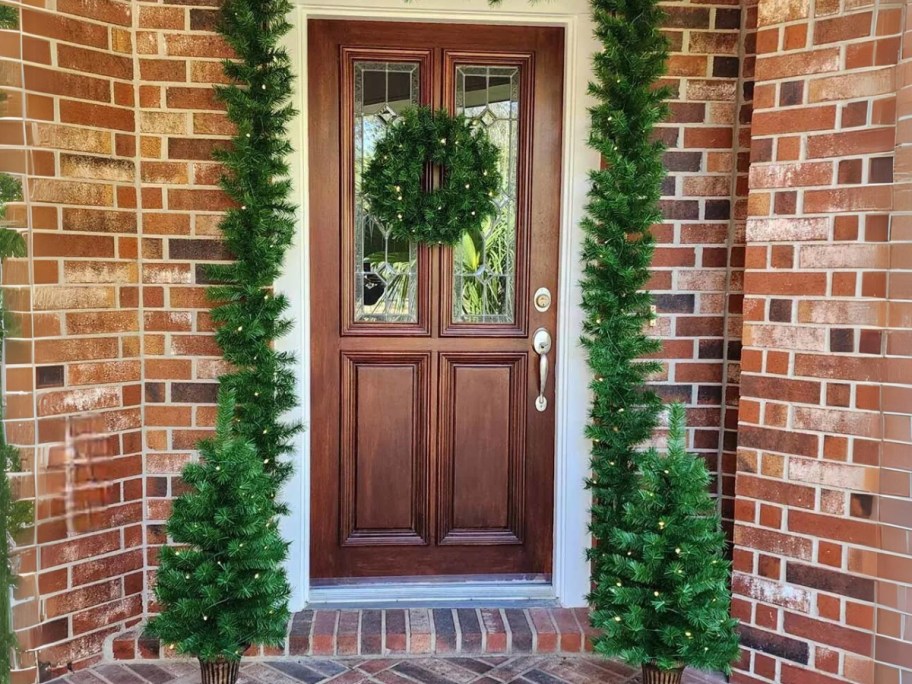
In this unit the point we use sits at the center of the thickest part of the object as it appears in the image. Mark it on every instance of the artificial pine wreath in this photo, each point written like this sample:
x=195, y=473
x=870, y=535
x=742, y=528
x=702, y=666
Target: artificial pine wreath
x=393, y=183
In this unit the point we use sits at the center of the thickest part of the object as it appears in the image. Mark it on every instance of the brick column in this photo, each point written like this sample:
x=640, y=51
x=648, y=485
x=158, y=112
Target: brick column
x=892, y=647
x=699, y=253
x=79, y=346
x=815, y=309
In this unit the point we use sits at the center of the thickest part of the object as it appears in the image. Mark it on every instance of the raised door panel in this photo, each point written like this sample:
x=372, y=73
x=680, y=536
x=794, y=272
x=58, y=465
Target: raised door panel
x=481, y=466
x=384, y=449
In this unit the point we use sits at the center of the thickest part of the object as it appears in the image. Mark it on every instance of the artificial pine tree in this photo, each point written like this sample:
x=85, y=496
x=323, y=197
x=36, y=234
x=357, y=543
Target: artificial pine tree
x=223, y=588
x=663, y=596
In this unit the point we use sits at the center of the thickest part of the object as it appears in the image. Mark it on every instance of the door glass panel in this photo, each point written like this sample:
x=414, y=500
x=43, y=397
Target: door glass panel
x=386, y=268
x=484, y=264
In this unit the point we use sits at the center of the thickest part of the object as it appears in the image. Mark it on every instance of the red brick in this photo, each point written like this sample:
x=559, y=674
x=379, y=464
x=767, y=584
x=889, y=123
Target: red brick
x=868, y=141
x=192, y=98
x=851, y=531
x=162, y=70
x=801, y=64
x=54, y=82
x=812, y=119
x=94, y=62
x=108, y=11
x=828, y=633
x=162, y=17
x=843, y=28
x=56, y=26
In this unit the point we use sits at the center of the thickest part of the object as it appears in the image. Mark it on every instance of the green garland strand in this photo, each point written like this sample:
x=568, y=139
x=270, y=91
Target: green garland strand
x=259, y=230
x=15, y=515
x=226, y=588
x=9, y=17
x=660, y=591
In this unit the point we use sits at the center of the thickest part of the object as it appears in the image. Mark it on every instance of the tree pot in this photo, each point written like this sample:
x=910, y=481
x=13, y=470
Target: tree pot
x=219, y=671
x=653, y=675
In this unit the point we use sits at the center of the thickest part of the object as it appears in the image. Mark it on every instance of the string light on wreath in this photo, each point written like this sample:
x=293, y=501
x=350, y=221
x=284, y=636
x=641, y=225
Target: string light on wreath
x=393, y=185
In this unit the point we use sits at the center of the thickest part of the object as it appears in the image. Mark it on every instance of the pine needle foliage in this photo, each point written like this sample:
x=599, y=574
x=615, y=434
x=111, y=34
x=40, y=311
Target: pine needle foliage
x=10, y=191
x=663, y=594
x=223, y=588
x=629, y=557
x=9, y=17
x=258, y=230
x=617, y=253
x=15, y=514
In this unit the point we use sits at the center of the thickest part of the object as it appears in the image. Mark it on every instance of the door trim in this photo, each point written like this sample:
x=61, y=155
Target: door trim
x=570, y=578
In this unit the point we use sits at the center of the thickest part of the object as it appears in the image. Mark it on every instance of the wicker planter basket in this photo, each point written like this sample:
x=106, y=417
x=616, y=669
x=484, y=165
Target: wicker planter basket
x=219, y=671
x=653, y=675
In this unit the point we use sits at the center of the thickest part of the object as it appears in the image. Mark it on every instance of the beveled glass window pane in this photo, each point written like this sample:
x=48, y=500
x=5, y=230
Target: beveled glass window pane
x=484, y=266
x=386, y=268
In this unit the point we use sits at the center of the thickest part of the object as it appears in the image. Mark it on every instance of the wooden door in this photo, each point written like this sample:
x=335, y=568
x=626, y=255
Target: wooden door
x=429, y=454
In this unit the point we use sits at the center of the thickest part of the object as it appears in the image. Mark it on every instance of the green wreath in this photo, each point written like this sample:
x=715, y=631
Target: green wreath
x=393, y=183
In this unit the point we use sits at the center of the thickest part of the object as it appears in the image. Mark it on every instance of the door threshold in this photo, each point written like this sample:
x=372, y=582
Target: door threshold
x=494, y=592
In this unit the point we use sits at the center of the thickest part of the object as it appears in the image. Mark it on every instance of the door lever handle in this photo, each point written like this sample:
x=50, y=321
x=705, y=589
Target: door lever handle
x=541, y=343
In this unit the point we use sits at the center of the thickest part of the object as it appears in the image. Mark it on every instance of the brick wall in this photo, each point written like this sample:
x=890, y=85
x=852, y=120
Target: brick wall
x=699, y=256
x=18, y=376
x=78, y=349
x=816, y=574
x=122, y=209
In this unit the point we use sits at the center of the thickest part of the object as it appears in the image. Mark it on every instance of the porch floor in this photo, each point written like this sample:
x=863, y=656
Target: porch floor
x=541, y=645
x=524, y=669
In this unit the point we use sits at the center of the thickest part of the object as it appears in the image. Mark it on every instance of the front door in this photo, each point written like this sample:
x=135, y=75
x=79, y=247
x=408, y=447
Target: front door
x=432, y=451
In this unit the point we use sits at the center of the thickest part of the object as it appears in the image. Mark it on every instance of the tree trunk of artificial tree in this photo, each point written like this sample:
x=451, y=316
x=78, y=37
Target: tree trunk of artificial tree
x=219, y=671
x=653, y=675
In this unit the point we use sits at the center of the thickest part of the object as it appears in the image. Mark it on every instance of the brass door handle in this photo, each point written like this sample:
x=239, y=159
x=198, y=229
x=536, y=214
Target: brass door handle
x=541, y=343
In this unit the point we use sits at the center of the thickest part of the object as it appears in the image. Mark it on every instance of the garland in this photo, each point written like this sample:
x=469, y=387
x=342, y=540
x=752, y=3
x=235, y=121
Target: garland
x=655, y=597
x=15, y=515
x=259, y=229
x=228, y=589
x=392, y=184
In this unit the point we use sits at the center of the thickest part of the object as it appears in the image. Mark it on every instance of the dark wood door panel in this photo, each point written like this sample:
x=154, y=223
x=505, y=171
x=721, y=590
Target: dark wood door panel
x=482, y=450
x=428, y=455
x=385, y=450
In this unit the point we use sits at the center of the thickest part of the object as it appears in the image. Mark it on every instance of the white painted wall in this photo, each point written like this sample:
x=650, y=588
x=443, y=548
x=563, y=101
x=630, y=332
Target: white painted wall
x=571, y=572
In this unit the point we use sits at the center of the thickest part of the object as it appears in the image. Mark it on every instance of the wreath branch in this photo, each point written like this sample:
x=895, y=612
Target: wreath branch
x=393, y=183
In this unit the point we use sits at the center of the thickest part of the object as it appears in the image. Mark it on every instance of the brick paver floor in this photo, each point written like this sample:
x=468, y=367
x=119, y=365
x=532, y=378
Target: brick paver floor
x=526, y=669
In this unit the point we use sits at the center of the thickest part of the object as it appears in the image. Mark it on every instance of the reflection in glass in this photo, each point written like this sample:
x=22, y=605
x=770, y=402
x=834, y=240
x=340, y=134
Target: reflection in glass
x=386, y=268
x=484, y=264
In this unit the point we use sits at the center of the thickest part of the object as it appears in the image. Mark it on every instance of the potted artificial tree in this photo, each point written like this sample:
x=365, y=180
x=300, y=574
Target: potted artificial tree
x=662, y=600
x=223, y=589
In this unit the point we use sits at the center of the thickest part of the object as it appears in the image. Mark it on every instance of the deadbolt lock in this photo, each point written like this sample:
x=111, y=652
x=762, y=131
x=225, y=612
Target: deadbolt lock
x=542, y=299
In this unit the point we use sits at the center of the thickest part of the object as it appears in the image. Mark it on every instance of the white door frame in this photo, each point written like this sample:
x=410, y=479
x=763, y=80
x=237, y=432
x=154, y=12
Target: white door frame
x=570, y=579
